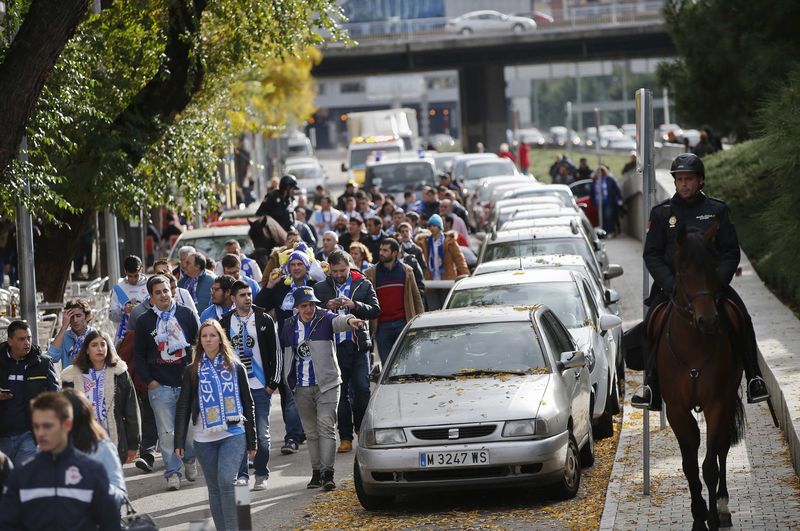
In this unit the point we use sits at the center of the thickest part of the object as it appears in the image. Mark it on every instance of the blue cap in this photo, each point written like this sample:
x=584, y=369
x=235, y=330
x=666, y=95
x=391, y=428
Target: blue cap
x=436, y=219
x=305, y=294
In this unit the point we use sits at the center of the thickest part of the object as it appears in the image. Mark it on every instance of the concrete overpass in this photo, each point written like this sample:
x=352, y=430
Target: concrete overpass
x=480, y=61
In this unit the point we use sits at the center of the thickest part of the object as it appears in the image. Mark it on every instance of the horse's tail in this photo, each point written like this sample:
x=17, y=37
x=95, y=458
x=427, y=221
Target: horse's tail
x=736, y=429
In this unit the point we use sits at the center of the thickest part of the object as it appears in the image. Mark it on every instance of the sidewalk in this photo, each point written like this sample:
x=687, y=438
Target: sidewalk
x=764, y=488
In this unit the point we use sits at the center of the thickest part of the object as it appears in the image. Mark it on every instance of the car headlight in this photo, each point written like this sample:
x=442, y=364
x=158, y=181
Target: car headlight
x=525, y=428
x=385, y=436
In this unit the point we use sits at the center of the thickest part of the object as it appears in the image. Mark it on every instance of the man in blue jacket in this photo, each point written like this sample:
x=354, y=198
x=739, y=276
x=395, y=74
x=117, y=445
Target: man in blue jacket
x=162, y=350
x=196, y=280
x=24, y=373
x=61, y=487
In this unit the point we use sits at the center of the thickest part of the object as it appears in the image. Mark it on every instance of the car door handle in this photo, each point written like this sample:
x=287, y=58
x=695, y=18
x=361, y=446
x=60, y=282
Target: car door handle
x=578, y=375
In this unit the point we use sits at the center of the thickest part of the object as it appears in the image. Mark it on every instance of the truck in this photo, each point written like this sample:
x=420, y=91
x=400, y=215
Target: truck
x=378, y=134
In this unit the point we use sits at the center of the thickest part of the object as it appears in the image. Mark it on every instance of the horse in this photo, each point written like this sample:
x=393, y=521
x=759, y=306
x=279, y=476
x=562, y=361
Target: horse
x=265, y=233
x=700, y=369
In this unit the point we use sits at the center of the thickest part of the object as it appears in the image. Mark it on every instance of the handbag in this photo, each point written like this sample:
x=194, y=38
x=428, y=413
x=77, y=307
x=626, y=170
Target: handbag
x=133, y=521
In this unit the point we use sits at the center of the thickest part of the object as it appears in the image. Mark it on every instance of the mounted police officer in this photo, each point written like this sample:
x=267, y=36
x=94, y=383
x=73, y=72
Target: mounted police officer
x=279, y=204
x=691, y=208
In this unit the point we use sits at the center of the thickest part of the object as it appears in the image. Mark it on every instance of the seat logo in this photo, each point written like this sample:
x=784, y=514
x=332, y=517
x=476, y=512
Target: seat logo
x=452, y=433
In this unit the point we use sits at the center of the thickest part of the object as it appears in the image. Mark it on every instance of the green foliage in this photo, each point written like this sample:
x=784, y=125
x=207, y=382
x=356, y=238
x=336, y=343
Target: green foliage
x=731, y=54
x=80, y=159
x=759, y=180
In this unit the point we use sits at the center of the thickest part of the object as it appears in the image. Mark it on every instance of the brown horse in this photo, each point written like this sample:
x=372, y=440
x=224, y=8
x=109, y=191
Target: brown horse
x=700, y=369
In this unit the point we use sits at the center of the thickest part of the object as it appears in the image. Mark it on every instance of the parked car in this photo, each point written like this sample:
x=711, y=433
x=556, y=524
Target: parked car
x=397, y=175
x=531, y=136
x=478, y=169
x=581, y=190
x=572, y=300
x=456, y=408
x=443, y=160
x=461, y=161
x=211, y=241
x=442, y=141
x=487, y=21
x=559, y=136
x=308, y=170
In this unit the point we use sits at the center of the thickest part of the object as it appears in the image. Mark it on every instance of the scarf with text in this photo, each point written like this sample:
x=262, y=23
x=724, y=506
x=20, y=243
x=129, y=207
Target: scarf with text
x=218, y=394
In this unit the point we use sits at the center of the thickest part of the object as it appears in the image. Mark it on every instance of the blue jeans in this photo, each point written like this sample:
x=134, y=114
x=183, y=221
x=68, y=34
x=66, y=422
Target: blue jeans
x=18, y=448
x=163, y=400
x=220, y=461
x=355, y=375
x=386, y=335
x=262, y=401
x=291, y=419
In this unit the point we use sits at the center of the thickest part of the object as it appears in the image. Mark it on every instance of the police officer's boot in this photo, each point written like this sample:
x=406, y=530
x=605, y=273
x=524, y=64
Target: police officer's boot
x=648, y=396
x=756, y=387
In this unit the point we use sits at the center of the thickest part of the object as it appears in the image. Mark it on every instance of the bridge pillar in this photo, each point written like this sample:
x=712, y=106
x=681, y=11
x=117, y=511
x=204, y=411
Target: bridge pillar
x=484, y=114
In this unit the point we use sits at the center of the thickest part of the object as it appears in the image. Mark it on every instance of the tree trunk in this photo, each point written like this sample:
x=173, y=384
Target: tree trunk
x=54, y=252
x=47, y=28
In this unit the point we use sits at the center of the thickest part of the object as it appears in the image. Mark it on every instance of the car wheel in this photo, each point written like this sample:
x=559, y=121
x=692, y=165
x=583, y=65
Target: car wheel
x=369, y=501
x=567, y=486
x=587, y=452
x=465, y=31
x=518, y=28
x=605, y=424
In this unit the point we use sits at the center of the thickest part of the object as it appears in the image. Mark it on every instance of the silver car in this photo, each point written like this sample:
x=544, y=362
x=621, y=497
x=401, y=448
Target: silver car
x=487, y=21
x=477, y=397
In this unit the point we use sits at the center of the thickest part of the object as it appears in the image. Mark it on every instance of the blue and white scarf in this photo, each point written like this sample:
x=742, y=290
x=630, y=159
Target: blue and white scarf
x=77, y=341
x=243, y=343
x=436, y=256
x=344, y=291
x=218, y=394
x=288, y=300
x=123, y=299
x=191, y=287
x=94, y=388
x=169, y=334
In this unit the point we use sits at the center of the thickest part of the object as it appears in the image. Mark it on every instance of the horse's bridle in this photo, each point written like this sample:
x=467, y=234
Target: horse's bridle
x=688, y=309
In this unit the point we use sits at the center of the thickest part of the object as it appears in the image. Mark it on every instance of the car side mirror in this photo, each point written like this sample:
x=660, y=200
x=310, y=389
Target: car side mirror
x=344, y=167
x=611, y=296
x=571, y=360
x=613, y=271
x=601, y=234
x=607, y=322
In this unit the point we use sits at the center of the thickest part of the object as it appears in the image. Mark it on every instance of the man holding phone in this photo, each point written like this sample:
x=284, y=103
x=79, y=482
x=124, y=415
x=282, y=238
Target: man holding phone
x=24, y=374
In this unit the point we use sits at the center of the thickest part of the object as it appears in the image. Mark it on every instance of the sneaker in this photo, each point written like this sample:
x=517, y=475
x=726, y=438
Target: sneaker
x=316, y=480
x=261, y=483
x=191, y=471
x=144, y=463
x=757, y=390
x=327, y=480
x=240, y=482
x=290, y=447
x=174, y=482
x=345, y=447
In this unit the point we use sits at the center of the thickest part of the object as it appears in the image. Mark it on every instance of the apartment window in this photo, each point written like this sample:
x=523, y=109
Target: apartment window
x=351, y=87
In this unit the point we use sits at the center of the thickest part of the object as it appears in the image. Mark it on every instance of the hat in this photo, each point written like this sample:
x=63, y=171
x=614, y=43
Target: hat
x=304, y=294
x=299, y=254
x=436, y=219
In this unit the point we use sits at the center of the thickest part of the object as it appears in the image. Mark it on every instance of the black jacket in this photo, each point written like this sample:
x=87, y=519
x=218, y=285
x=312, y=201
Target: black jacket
x=40, y=376
x=414, y=250
x=267, y=343
x=660, y=242
x=149, y=363
x=362, y=293
x=346, y=239
x=279, y=207
x=272, y=299
x=374, y=245
x=187, y=407
x=69, y=491
x=419, y=274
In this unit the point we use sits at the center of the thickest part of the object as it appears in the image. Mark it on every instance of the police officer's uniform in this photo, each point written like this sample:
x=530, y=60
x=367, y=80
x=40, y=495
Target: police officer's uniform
x=279, y=204
x=699, y=212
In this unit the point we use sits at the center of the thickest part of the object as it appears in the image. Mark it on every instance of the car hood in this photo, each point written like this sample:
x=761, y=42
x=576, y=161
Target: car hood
x=457, y=401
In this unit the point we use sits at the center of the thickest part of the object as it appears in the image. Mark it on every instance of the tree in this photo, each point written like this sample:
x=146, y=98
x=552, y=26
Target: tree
x=731, y=53
x=129, y=119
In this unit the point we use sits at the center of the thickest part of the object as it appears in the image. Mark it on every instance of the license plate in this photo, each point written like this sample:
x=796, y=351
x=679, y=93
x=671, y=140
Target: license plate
x=453, y=458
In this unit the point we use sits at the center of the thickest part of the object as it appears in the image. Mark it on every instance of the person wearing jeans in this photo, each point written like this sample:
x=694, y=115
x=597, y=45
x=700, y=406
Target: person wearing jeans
x=215, y=397
x=254, y=338
x=311, y=369
x=162, y=350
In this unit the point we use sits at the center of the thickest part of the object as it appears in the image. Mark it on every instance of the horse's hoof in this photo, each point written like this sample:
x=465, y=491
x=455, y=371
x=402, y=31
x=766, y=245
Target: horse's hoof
x=725, y=520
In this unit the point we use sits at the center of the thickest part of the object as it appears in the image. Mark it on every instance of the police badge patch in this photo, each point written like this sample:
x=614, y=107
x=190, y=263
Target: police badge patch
x=672, y=222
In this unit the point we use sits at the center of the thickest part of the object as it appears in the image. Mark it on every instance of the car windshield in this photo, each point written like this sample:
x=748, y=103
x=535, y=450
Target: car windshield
x=562, y=297
x=214, y=246
x=444, y=163
x=396, y=178
x=486, y=191
x=566, y=197
x=514, y=249
x=358, y=157
x=460, y=165
x=461, y=349
x=305, y=172
x=488, y=169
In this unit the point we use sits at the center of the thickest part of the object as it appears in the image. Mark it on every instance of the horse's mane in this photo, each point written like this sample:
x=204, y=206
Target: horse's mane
x=696, y=252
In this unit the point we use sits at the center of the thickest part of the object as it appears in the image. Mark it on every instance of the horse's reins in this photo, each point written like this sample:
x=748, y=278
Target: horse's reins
x=694, y=372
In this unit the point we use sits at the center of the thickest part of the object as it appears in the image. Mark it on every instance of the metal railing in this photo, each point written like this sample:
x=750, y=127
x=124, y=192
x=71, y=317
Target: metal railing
x=396, y=29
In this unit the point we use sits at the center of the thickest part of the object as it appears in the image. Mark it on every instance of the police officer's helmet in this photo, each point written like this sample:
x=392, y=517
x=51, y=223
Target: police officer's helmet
x=688, y=162
x=288, y=181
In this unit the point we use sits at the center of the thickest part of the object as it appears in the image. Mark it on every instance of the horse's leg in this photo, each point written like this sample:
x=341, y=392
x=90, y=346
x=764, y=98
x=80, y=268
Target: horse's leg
x=722, y=490
x=716, y=437
x=686, y=431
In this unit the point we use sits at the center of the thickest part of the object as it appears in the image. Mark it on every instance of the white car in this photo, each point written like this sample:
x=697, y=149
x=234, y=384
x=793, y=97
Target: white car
x=308, y=171
x=571, y=298
x=495, y=396
x=487, y=21
x=211, y=241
